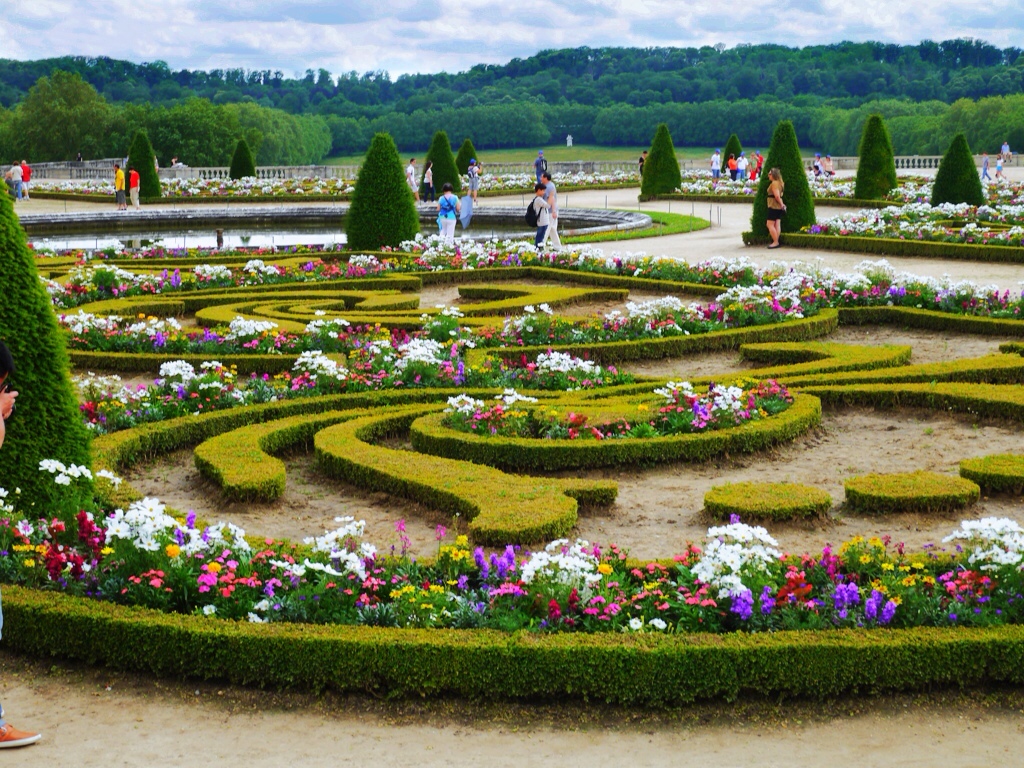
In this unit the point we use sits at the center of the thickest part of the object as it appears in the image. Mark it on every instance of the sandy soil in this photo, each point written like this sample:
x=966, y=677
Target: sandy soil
x=93, y=717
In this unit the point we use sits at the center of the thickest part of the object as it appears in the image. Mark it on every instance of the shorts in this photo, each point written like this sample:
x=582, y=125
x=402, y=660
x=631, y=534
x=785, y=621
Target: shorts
x=716, y=173
x=775, y=214
x=119, y=197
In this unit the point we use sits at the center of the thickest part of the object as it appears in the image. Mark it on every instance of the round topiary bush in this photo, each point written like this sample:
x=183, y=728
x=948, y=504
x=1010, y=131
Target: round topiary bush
x=661, y=169
x=47, y=423
x=143, y=160
x=876, y=171
x=909, y=492
x=1000, y=473
x=242, y=163
x=732, y=147
x=766, y=501
x=383, y=212
x=957, y=180
x=784, y=154
x=440, y=154
x=467, y=152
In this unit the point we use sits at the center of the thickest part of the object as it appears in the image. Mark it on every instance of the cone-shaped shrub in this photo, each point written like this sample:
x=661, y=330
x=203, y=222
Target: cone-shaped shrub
x=444, y=164
x=142, y=159
x=383, y=211
x=661, y=170
x=46, y=423
x=876, y=170
x=242, y=162
x=957, y=179
x=467, y=152
x=732, y=147
x=784, y=154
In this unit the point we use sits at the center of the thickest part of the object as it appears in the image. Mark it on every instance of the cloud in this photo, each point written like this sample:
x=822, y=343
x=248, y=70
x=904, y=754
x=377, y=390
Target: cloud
x=404, y=36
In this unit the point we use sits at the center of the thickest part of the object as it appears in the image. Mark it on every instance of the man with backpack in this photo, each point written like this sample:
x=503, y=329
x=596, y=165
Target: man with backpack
x=540, y=165
x=538, y=214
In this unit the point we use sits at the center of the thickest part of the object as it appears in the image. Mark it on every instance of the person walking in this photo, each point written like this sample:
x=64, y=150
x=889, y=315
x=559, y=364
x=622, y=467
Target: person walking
x=26, y=177
x=410, y=178
x=551, y=196
x=999, y=167
x=643, y=159
x=428, y=181
x=776, y=208
x=543, y=211
x=985, y=166
x=133, y=187
x=716, y=165
x=540, y=165
x=9, y=735
x=474, y=179
x=119, y=188
x=17, y=178
x=448, y=208
x=741, y=166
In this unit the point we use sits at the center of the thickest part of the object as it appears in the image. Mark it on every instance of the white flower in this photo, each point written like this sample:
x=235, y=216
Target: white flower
x=464, y=404
x=636, y=624
x=510, y=397
x=658, y=624
x=255, y=619
x=209, y=610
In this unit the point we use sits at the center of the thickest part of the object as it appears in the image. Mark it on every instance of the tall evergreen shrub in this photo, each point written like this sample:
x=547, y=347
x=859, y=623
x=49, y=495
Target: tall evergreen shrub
x=732, y=147
x=661, y=169
x=46, y=423
x=784, y=154
x=383, y=211
x=143, y=160
x=242, y=162
x=876, y=170
x=467, y=152
x=957, y=180
x=440, y=153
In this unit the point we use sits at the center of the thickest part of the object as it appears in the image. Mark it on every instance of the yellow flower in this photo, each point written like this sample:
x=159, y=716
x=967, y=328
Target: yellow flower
x=107, y=551
x=904, y=568
x=172, y=550
x=462, y=541
x=604, y=569
x=917, y=565
x=897, y=600
x=426, y=606
x=22, y=547
x=874, y=541
x=909, y=581
x=887, y=566
x=30, y=563
x=641, y=408
x=214, y=567
x=436, y=588
x=865, y=559
x=876, y=584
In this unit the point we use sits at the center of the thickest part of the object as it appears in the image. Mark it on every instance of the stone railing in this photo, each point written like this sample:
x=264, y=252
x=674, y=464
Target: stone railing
x=72, y=170
x=912, y=162
x=267, y=172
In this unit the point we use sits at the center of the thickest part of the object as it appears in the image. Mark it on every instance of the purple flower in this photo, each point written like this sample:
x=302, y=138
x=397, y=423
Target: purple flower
x=767, y=601
x=190, y=519
x=872, y=604
x=887, y=612
x=742, y=604
x=463, y=582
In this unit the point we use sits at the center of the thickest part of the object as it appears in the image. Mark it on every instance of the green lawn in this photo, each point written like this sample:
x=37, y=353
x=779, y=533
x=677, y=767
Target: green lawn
x=561, y=153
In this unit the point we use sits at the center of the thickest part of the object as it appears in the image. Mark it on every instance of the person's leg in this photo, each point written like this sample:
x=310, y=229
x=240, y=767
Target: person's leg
x=24, y=191
x=541, y=232
x=552, y=234
x=17, y=190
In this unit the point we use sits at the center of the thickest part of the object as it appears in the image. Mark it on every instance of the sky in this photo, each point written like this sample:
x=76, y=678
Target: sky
x=405, y=36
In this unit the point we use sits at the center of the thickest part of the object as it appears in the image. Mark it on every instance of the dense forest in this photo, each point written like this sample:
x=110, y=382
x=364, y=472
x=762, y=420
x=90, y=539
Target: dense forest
x=54, y=108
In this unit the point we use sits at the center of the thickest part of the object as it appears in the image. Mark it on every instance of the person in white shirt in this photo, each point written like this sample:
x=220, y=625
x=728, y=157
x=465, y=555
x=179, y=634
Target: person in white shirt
x=741, y=166
x=543, y=213
x=716, y=164
x=410, y=178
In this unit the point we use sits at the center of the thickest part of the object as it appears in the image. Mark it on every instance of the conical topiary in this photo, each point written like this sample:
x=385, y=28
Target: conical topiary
x=467, y=152
x=242, y=162
x=661, y=169
x=440, y=154
x=383, y=211
x=47, y=423
x=732, y=147
x=143, y=160
x=784, y=154
x=957, y=179
x=876, y=170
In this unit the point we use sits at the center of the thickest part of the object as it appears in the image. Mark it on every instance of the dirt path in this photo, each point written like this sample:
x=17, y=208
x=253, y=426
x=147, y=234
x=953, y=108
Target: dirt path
x=92, y=717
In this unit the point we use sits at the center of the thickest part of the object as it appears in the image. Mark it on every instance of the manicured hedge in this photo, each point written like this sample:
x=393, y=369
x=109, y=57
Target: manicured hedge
x=1000, y=473
x=825, y=322
x=832, y=202
x=500, y=508
x=930, y=319
x=884, y=246
x=810, y=358
x=428, y=435
x=991, y=369
x=995, y=401
x=766, y=501
x=648, y=669
x=925, y=492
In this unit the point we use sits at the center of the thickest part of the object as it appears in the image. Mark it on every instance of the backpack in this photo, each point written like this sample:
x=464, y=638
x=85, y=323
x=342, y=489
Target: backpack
x=532, y=214
x=446, y=205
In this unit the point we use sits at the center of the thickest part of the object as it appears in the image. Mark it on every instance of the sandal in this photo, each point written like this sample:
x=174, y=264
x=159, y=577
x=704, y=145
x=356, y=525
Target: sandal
x=777, y=245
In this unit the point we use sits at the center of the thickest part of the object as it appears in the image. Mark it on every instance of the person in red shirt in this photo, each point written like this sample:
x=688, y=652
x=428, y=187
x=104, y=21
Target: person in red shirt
x=133, y=187
x=26, y=176
x=732, y=167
